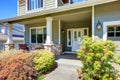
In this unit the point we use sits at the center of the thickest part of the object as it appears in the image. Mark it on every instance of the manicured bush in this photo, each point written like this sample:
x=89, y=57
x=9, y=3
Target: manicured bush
x=25, y=66
x=18, y=67
x=97, y=57
x=44, y=61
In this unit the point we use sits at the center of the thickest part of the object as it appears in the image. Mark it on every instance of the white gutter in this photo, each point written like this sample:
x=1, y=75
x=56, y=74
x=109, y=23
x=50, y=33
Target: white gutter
x=59, y=9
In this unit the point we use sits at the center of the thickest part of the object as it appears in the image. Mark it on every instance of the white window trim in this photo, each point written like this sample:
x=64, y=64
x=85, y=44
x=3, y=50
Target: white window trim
x=30, y=33
x=105, y=24
x=72, y=34
x=34, y=10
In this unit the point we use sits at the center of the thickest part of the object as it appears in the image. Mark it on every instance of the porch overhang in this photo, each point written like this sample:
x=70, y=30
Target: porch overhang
x=49, y=12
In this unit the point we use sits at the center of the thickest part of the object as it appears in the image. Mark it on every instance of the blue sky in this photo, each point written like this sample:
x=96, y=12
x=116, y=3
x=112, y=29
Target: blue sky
x=8, y=8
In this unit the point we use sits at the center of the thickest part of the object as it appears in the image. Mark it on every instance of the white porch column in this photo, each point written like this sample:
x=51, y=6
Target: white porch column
x=93, y=21
x=59, y=31
x=9, y=43
x=9, y=36
x=49, y=30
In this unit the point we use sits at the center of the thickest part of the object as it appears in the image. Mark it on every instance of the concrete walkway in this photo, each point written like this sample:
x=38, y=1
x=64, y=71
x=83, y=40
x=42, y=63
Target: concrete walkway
x=66, y=70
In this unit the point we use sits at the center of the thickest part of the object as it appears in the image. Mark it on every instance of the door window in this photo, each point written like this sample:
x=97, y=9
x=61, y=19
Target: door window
x=69, y=42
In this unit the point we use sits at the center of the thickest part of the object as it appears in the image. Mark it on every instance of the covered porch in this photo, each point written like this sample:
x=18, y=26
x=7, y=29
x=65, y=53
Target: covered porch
x=57, y=32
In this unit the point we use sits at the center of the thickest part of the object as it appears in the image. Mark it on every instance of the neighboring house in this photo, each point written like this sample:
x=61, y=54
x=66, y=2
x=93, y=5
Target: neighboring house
x=18, y=35
x=65, y=22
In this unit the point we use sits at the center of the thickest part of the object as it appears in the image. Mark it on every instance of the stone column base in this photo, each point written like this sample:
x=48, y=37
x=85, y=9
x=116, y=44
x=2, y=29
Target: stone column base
x=58, y=49
x=49, y=47
x=9, y=46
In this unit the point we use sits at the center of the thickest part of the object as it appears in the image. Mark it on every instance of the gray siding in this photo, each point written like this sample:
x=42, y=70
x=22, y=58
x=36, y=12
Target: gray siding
x=22, y=9
x=55, y=32
x=27, y=34
x=107, y=12
x=49, y=4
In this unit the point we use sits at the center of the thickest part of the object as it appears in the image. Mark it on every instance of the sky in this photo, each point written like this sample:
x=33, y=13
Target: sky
x=8, y=8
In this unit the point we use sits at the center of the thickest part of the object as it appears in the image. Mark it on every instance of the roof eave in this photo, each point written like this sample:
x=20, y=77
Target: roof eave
x=58, y=9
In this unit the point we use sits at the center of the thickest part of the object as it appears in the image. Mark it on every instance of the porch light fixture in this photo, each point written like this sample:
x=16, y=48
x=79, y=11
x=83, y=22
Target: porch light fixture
x=99, y=25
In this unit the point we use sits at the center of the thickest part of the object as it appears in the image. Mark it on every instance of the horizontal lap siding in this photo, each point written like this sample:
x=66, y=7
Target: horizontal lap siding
x=22, y=9
x=49, y=4
x=105, y=13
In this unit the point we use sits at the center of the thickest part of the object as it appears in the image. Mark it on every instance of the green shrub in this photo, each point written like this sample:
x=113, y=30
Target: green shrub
x=44, y=61
x=25, y=66
x=96, y=58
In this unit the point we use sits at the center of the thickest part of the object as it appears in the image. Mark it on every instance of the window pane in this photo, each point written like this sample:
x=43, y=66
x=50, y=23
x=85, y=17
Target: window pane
x=118, y=28
x=110, y=28
x=75, y=35
x=32, y=4
x=36, y=4
x=33, y=35
x=110, y=34
x=117, y=34
x=40, y=3
x=85, y=32
x=69, y=36
x=44, y=33
x=39, y=35
x=29, y=4
x=79, y=34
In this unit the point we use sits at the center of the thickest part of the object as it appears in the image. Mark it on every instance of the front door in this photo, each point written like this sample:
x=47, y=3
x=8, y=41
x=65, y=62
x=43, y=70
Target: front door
x=74, y=37
x=77, y=36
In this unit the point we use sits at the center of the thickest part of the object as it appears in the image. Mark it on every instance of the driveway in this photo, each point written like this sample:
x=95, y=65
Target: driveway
x=66, y=70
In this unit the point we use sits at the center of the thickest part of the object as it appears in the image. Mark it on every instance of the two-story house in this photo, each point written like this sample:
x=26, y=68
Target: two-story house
x=65, y=22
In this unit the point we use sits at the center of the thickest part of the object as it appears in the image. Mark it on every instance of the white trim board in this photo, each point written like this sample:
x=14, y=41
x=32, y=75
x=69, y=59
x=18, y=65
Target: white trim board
x=109, y=23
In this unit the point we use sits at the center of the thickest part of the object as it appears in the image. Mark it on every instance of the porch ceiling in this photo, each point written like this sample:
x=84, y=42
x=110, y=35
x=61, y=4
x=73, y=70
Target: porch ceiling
x=72, y=17
x=79, y=16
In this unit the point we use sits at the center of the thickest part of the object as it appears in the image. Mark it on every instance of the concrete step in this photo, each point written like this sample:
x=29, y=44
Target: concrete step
x=68, y=66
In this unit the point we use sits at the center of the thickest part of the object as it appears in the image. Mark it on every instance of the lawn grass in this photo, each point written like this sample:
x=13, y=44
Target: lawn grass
x=40, y=77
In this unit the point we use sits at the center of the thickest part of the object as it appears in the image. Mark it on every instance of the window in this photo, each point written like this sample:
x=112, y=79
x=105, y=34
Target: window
x=114, y=31
x=38, y=35
x=34, y=4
